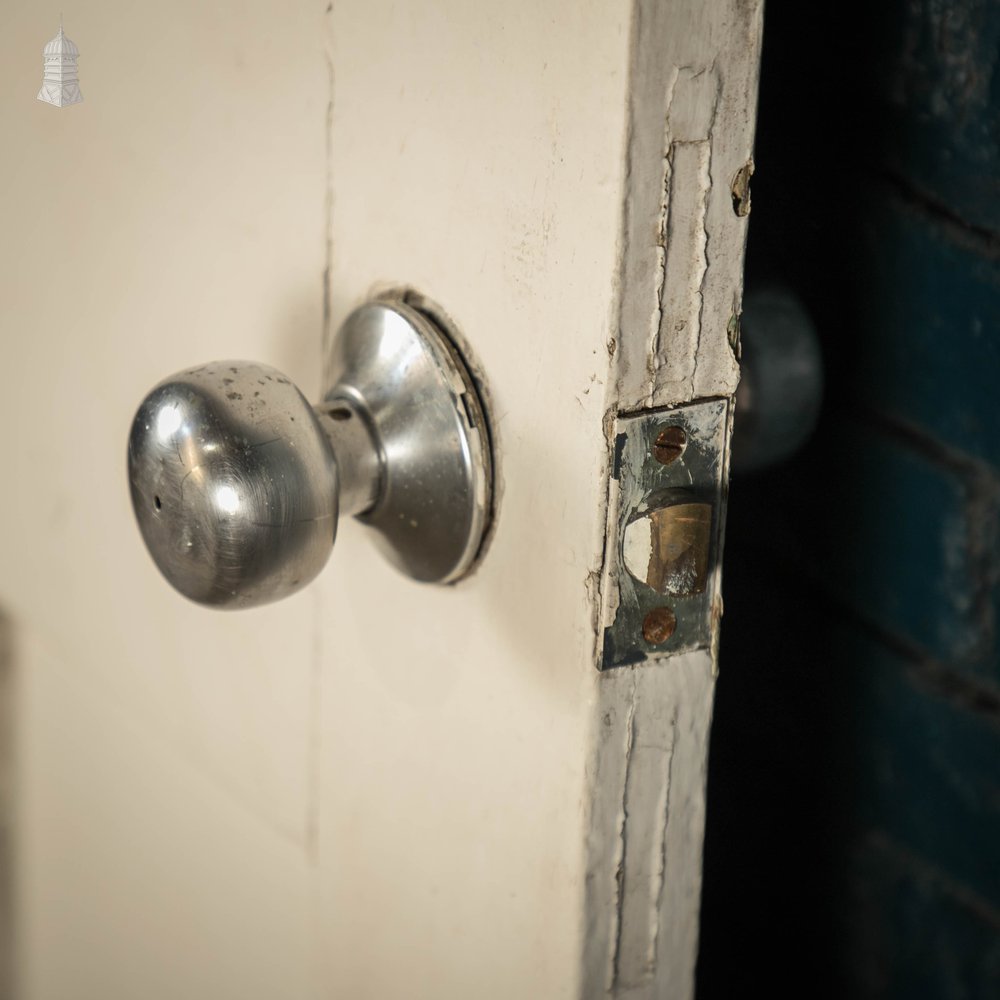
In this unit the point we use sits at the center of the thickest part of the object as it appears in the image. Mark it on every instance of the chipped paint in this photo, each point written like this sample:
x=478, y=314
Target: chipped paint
x=694, y=73
x=740, y=189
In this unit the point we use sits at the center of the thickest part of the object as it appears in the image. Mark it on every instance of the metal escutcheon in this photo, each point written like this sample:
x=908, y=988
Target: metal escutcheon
x=237, y=482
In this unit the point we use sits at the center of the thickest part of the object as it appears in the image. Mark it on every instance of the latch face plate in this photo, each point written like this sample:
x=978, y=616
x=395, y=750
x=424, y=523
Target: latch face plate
x=665, y=517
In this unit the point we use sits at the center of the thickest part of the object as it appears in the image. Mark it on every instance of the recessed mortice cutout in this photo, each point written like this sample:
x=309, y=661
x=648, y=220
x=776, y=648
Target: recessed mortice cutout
x=667, y=548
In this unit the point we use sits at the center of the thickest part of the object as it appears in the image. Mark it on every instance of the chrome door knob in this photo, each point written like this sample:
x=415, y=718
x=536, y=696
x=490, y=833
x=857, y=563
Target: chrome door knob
x=237, y=482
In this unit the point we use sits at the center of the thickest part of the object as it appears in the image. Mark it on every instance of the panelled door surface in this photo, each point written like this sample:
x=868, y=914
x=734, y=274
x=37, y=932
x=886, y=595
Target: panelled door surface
x=375, y=788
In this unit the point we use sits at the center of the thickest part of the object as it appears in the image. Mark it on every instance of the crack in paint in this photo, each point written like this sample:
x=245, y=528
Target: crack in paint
x=652, y=360
x=314, y=742
x=328, y=198
x=702, y=237
x=623, y=839
x=707, y=189
x=662, y=873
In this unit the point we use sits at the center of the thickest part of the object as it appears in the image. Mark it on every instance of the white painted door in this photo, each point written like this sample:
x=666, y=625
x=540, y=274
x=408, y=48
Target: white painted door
x=374, y=789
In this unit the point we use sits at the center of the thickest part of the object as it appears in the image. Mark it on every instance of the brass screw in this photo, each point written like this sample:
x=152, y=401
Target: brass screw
x=669, y=444
x=659, y=625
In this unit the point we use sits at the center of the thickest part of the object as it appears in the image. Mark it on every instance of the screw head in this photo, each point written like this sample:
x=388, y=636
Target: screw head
x=659, y=625
x=669, y=444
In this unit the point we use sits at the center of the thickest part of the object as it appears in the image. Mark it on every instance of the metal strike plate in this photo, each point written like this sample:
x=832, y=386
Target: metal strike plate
x=661, y=574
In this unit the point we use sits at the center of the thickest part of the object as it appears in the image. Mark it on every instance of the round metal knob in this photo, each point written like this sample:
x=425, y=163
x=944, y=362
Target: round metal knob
x=237, y=481
x=234, y=484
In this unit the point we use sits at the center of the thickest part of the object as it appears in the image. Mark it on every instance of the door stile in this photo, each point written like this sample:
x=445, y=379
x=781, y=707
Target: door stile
x=694, y=72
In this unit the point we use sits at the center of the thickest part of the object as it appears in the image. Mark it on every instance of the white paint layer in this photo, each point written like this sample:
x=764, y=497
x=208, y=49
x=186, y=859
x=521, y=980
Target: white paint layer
x=374, y=789
x=477, y=154
x=693, y=93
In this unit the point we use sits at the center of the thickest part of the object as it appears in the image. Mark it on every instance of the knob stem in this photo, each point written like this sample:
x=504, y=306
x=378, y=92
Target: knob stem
x=349, y=428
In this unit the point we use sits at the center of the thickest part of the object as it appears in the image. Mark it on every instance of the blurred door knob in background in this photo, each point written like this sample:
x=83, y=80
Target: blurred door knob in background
x=237, y=482
x=781, y=385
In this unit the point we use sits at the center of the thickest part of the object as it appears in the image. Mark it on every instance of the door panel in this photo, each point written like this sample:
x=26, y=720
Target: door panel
x=374, y=789
x=163, y=790
x=476, y=154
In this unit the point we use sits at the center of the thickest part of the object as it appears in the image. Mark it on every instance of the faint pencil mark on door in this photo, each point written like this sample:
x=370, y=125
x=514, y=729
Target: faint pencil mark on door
x=7, y=786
